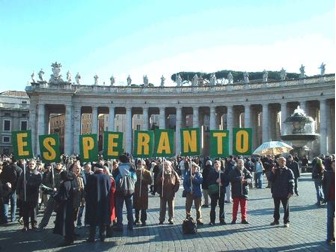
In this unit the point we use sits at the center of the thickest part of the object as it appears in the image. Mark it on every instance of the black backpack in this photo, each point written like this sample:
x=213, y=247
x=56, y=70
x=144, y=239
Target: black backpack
x=126, y=185
x=189, y=226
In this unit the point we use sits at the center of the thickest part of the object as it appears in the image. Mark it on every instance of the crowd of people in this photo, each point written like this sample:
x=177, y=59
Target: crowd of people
x=93, y=194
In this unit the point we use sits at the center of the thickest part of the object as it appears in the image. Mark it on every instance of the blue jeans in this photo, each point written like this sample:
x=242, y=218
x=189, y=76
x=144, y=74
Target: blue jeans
x=330, y=220
x=319, y=191
x=129, y=207
x=259, y=180
x=11, y=198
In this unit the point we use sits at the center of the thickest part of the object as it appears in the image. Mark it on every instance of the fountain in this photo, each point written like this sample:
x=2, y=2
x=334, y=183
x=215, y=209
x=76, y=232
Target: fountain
x=299, y=129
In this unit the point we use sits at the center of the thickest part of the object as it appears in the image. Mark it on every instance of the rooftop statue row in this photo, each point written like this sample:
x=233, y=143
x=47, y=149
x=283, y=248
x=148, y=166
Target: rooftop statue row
x=56, y=77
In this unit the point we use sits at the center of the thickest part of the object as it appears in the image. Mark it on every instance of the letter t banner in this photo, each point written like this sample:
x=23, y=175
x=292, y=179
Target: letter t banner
x=219, y=143
x=22, y=146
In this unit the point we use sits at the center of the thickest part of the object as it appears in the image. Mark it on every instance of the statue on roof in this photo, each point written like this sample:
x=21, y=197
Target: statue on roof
x=162, y=81
x=95, y=79
x=230, y=78
x=322, y=67
x=178, y=80
x=68, y=76
x=265, y=76
x=112, y=80
x=56, y=77
x=195, y=80
x=129, y=80
x=283, y=74
x=246, y=77
x=213, y=79
x=302, y=71
x=32, y=76
x=77, y=78
x=145, y=80
x=40, y=75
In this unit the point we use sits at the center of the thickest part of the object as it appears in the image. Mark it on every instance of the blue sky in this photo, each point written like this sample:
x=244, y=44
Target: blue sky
x=159, y=37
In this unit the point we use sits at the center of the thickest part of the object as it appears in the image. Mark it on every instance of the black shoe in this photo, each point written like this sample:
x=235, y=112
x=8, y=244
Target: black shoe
x=212, y=223
x=233, y=222
x=275, y=223
x=171, y=222
x=222, y=222
x=200, y=223
x=90, y=240
x=66, y=243
x=161, y=222
x=205, y=206
x=136, y=222
x=143, y=223
x=244, y=222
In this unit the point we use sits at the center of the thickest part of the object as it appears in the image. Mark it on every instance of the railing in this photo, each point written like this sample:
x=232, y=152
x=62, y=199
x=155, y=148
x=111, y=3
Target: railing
x=67, y=87
x=14, y=106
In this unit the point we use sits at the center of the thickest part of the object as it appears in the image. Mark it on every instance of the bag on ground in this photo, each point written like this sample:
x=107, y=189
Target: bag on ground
x=189, y=226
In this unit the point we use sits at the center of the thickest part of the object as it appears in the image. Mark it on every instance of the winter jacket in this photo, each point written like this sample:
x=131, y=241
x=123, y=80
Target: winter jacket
x=282, y=182
x=195, y=186
x=239, y=190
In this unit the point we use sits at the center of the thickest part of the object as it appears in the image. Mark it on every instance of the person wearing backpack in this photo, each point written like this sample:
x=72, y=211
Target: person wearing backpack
x=125, y=184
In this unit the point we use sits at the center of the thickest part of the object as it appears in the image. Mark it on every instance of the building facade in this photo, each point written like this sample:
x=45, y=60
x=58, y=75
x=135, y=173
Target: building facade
x=14, y=116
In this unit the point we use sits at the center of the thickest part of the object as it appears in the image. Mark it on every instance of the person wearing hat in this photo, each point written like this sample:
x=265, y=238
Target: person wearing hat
x=192, y=185
x=140, y=197
x=168, y=183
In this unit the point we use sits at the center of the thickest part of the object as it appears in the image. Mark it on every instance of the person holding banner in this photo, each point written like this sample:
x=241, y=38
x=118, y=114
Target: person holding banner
x=217, y=181
x=140, y=198
x=192, y=185
x=28, y=190
x=168, y=183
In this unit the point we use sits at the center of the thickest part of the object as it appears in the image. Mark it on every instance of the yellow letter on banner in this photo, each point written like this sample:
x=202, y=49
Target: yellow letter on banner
x=111, y=144
x=220, y=136
x=143, y=143
x=22, y=143
x=164, y=145
x=190, y=141
x=50, y=154
x=88, y=144
x=242, y=141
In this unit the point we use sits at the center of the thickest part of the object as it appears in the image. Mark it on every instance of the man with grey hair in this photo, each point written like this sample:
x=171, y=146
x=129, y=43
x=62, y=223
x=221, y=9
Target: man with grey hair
x=282, y=189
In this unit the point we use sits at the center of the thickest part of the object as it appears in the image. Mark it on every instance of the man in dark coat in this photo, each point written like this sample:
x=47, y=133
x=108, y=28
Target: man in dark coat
x=98, y=187
x=282, y=181
x=294, y=166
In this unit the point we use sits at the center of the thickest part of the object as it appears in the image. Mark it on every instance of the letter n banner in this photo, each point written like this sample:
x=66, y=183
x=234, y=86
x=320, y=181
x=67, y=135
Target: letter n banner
x=22, y=146
x=242, y=141
x=190, y=139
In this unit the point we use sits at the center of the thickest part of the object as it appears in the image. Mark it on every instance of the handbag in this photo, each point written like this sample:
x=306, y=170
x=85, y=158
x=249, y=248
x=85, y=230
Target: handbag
x=213, y=189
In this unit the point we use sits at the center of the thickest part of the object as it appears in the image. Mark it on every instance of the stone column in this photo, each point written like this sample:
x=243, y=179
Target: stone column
x=32, y=126
x=145, y=118
x=68, y=134
x=195, y=117
x=162, y=118
x=229, y=125
x=265, y=128
x=128, y=133
x=40, y=124
x=178, y=128
x=111, y=118
x=77, y=128
x=323, y=127
x=283, y=116
x=247, y=116
x=213, y=125
x=94, y=120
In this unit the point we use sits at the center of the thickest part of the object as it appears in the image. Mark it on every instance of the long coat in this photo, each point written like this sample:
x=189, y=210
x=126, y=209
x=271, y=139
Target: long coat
x=97, y=192
x=64, y=223
x=239, y=190
x=112, y=200
x=140, y=196
x=33, y=182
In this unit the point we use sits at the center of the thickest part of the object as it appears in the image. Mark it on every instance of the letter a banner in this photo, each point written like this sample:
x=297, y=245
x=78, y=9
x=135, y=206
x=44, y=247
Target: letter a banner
x=242, y=141
x=88, y=147
x=190, y=142
x=112, y=144
x=143, y=143
x=50, y=148
x=219, y=143
x=164, y=143
x=22, y=146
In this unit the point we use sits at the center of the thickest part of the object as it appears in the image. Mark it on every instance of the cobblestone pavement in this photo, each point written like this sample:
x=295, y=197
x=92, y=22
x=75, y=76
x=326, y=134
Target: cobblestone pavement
x=307, y=231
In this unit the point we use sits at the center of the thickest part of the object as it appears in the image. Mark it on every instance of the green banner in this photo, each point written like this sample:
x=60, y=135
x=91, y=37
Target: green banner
x=88, y=147
x=50, y=148
x=22, y=146
x=242, y=141
x=113, y=142
x=219, y=143
x=190, y=142
x=143, y=144
x=164, y=143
